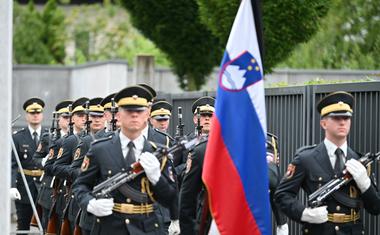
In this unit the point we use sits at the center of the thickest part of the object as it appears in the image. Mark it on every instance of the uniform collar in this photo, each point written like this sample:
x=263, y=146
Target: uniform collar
x=138, y=142
x=38, y=130
x=331, y=147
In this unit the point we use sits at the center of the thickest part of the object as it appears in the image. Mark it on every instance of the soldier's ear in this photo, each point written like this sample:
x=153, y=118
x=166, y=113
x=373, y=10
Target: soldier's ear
x=195, y=120
x=323, y=123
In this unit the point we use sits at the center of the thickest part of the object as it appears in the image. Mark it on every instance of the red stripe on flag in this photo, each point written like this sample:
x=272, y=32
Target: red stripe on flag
x=227, y=200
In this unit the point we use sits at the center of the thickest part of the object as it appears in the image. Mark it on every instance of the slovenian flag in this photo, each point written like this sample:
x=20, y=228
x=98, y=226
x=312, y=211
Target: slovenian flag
x=235, y=167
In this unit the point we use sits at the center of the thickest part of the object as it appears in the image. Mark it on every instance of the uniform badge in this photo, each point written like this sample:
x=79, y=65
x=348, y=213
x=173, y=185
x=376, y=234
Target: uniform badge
x=51, y=153
x=60, y=152
x=85, y=164
x=188, y=163
x=290, y=171
x=77, y=154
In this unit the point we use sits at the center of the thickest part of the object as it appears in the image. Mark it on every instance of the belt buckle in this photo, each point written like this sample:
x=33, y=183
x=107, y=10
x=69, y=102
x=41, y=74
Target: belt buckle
x=126, y=208
x=339, y=217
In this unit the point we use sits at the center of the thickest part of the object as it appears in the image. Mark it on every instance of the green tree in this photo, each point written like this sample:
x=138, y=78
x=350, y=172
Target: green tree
x=286, y=23
x=54, y=36
x=175, y=27
x=350, y=36
x=28, y=48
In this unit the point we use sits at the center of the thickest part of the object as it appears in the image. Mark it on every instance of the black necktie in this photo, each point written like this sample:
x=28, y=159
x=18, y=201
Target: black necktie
x=338, y=167
x=130, y=158
x=35, y=138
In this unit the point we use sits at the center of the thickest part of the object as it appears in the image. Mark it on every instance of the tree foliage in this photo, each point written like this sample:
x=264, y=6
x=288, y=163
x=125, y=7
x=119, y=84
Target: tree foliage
x=38, y=36
x=175, y=27
x=286, y=23
x=350, y=36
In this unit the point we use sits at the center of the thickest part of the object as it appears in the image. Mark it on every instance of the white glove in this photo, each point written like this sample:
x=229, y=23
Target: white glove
x=43, y=161
x=100, y=207
x=282, y=229
x=14, y=194
x=316, y=215
x=359, y=173
x=151, y=166
x=174, y=228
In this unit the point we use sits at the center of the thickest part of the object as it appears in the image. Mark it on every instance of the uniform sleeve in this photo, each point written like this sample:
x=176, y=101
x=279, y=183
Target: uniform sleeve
x=371, y=200
x=190, y=188
x=86, y=180
x=288, y=189
x=64, y=158
x=14, y=164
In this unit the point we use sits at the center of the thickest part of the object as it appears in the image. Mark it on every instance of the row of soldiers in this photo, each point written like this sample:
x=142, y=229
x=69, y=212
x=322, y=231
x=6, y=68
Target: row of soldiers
x=91, y=140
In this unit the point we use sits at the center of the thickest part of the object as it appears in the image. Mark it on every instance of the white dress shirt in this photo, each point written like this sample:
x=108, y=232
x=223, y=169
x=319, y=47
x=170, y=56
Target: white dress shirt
x=38, y=130
x=331, y=148
x=138, y=142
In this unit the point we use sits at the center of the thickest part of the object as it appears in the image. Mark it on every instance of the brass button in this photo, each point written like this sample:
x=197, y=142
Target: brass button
x=338, y=208
x=127, y=221
x=335, y=176
x=128, y=200
x=306, y=230
x=320, y=178
x=60, y=190
x=156, y=225
x=34, y=178
x=44, y=183
x=336, y=228
x=109, y=172
x=98, y=220
x=72, y=196
x=319, y=185
x=122, y=169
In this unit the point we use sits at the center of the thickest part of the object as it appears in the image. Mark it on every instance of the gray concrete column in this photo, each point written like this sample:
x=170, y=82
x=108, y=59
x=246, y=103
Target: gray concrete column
x=143, y=71
x=6, y=22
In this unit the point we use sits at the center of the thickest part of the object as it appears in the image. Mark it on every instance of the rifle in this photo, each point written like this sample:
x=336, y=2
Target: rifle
x=103, y=189
x=88, y=122
x=179, y=129
x=198, y=128
x=318, y=197
x=71, y=124
x=113, y=113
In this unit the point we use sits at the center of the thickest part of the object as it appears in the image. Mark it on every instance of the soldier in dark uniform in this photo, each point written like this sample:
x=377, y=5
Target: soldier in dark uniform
x=274, y=179
x=122, y=213
x=160, y=115
x=26, y=141
x=195, y=218
x=97, y=131
x=314, y=166
x=65, y=155
x=45, y=194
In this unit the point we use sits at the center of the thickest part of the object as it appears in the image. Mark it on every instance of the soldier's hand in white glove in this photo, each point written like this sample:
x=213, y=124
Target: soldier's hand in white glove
x=100, y=207
x=359, y=173
x=174, y=228
x=316, y=215
x=14, y=194
x=282, y=229
x=151, y=167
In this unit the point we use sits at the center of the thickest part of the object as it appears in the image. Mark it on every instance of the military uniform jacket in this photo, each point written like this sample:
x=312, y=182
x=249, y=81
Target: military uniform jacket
x=309, y=170
x=192, y=194
x=105, y=159
x=25, y=147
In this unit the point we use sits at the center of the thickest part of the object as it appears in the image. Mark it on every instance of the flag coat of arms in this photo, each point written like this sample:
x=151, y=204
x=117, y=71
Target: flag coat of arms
x=235, y=168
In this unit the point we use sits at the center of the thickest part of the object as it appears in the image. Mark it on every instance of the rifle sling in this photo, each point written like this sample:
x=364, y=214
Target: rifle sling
x=133, y=194
x=346, y=200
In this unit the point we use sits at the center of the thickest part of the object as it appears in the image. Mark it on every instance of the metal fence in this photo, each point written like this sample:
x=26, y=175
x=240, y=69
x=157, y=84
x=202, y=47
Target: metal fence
x=292, y=116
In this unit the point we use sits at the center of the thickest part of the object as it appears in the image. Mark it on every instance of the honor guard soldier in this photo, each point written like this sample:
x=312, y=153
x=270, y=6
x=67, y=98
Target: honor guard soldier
x=273, y=160
x=66, y=152
x=26, y=141
x=124, y=212
x=59, y=128
x=195, y=217
x=97, y=131
x=160, y=115
x=314, y=166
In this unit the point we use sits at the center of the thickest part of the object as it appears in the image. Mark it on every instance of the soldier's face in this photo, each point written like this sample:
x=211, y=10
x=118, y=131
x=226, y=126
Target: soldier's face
x=162, y=124
x=34, y=118
x=336, y=127
x=107, y=115
x=79, y=120
x=64, y=122
x=131, y=120
x=205, y=121
x=97, y=122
